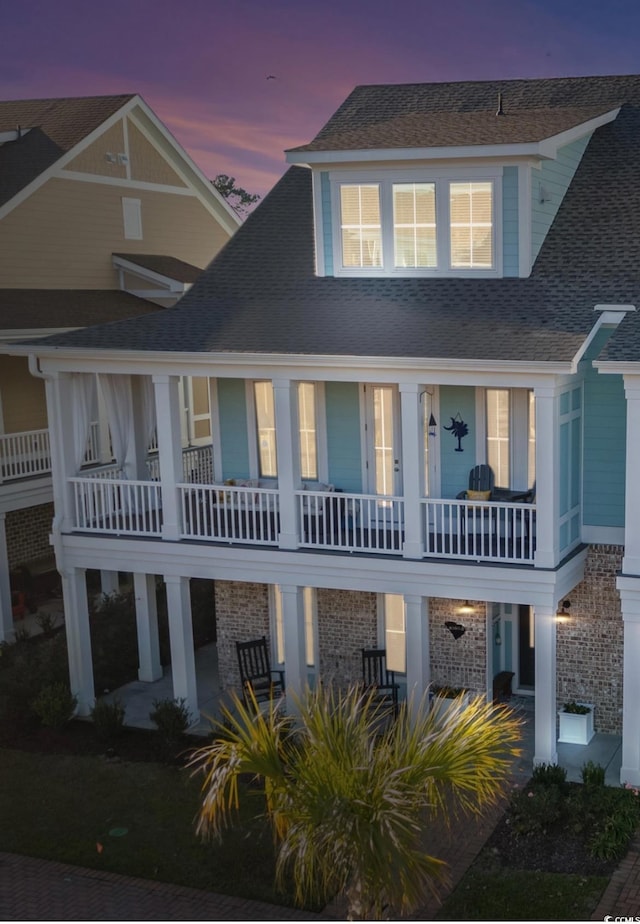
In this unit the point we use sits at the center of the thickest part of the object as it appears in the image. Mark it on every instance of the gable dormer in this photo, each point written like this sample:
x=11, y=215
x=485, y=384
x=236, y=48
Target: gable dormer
x=405, y=190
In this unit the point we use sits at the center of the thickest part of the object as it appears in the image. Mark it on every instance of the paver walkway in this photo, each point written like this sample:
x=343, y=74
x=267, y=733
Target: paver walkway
x=39, y=890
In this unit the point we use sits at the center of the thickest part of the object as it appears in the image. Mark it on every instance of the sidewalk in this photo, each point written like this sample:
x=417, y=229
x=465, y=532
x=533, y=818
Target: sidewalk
x=39, y=890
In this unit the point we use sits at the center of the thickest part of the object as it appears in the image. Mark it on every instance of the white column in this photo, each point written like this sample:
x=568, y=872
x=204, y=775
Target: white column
x=144, y=589
x=416, y=611
x=545, y=748
x=631, y=560
x=137, y=448
x=412, y=456
x=6, y=611
x=183, y=664
x=295, y=661
x=109, y=582
x=630, y=599
x=62, y=442
x=286, y=448
x=547, y=478
x=169, y=452
x=76, y=618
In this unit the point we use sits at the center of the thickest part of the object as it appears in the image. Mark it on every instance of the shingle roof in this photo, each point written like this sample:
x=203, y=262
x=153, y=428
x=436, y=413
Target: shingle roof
x=55, y=126
x=26, y=309
x=260, y=294
x=171, y=267
x=446, y=129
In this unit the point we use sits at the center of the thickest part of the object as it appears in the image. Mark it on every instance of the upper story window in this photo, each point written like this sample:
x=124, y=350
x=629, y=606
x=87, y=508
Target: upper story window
x=417, y=224
x=266, y=429
x=308, y=430
x=510, y=433
x=361, y=228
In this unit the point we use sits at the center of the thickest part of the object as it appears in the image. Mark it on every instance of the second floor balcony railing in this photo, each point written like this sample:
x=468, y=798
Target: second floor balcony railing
x=107, y=502
x=25, y=454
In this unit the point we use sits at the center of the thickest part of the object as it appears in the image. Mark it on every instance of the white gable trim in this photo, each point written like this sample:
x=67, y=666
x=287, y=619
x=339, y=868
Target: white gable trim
x=70, y=155
x=610, y=316
x=124, y=183
x=546, y=149
x=193, y=176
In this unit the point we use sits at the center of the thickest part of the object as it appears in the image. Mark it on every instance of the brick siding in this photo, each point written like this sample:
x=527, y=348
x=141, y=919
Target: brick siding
x=590, y=643
x=242, y=613
x=458, y=662
x=28, y=534
x=347, y=623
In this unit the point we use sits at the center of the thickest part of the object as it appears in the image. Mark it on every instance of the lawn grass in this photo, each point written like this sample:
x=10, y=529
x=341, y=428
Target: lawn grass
x=521, y=895
x=62, y=807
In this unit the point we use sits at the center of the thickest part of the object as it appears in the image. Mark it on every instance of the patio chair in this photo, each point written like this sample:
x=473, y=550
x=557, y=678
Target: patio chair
x=378, y=679
x=481, y=478
x=256, y=675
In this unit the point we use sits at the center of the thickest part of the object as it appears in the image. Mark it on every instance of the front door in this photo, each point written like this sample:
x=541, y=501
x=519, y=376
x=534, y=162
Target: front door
x=526, y=647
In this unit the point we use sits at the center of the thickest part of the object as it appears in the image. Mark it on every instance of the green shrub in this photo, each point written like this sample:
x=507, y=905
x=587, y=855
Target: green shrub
x=108, y=719
x=54, y=705
x=171, y=717
x=114, y=640
x=536, y=809
x=592, y=774
x=549, y=775
x=47, y=622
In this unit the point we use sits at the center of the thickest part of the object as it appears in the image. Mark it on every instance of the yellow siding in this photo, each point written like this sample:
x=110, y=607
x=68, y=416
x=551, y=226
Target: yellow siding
x=146, y=163
x=93, y=160
x=63, y=235
x=23, y=398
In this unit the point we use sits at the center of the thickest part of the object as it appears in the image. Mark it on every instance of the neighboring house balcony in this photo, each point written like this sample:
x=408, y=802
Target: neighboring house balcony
x=27, y=454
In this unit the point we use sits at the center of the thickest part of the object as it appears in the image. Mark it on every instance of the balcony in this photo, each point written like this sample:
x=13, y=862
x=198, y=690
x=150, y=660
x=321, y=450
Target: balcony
x=24, y=455
x=104, y=502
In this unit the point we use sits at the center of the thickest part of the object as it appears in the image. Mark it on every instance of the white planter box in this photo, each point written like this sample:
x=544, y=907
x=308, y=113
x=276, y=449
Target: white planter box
x=577, y=729
x=440, y=705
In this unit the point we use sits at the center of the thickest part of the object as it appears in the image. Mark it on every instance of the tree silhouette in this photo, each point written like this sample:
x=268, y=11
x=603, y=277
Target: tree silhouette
x=458, y=429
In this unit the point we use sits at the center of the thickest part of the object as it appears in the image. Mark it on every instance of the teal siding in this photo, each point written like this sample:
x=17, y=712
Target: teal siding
x=455, y=466
x=510, y=262
x=327, y=238
x=605, y=445
x=342, y=401
x=232, y=407
x=555, y=176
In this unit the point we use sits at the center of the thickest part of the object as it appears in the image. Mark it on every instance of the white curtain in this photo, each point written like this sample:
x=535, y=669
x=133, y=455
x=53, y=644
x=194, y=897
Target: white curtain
x=83, y=399
x=116, y=391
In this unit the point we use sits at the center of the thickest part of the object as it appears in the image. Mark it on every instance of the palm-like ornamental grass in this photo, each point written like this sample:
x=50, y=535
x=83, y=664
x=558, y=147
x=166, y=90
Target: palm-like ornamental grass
x=351, y=795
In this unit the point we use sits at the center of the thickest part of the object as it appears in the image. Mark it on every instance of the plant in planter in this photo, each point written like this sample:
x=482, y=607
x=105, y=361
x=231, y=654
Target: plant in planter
x=445, y=697
x=576, y=722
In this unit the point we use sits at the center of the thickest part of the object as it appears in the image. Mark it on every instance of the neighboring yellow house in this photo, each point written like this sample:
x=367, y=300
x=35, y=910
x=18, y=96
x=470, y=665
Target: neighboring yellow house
x=103, y=216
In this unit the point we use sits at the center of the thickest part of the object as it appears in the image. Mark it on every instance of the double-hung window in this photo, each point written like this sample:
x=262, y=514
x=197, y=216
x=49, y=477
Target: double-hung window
x=266, y=429
x=308, y=431
x=310, y=625
x=417, y=222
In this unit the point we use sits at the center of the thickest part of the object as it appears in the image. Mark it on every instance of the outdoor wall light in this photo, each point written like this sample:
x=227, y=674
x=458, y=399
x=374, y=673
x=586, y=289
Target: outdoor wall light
x=498, y=638
x=465, y=608
x=562, y=615
x=455, y=628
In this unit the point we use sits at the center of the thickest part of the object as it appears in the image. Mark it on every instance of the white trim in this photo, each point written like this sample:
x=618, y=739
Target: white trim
x=318, y=223
x=208, y=191
x=510, y=584
x=132, y=218
x=29, y=333
x=174, y=285
x=510, y=373
x=127, y=152
x=252, y=428
x=216, y=439
x=524, y=221
x=544, y=149
x=127, y=184
x=442, y=178
x=610, y=316
x=66, y=158
x=603, y=535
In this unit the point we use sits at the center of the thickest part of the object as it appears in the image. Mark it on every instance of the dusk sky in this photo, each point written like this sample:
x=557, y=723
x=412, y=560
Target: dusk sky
x=202, y=65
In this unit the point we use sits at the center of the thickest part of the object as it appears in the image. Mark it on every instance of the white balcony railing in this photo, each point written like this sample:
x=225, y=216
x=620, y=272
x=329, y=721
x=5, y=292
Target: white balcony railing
x=350, y=522
x=231, y=514
x=197, y=465
x=25, y=454
x=103, y=504
x=479, y=530
x=504, y=532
